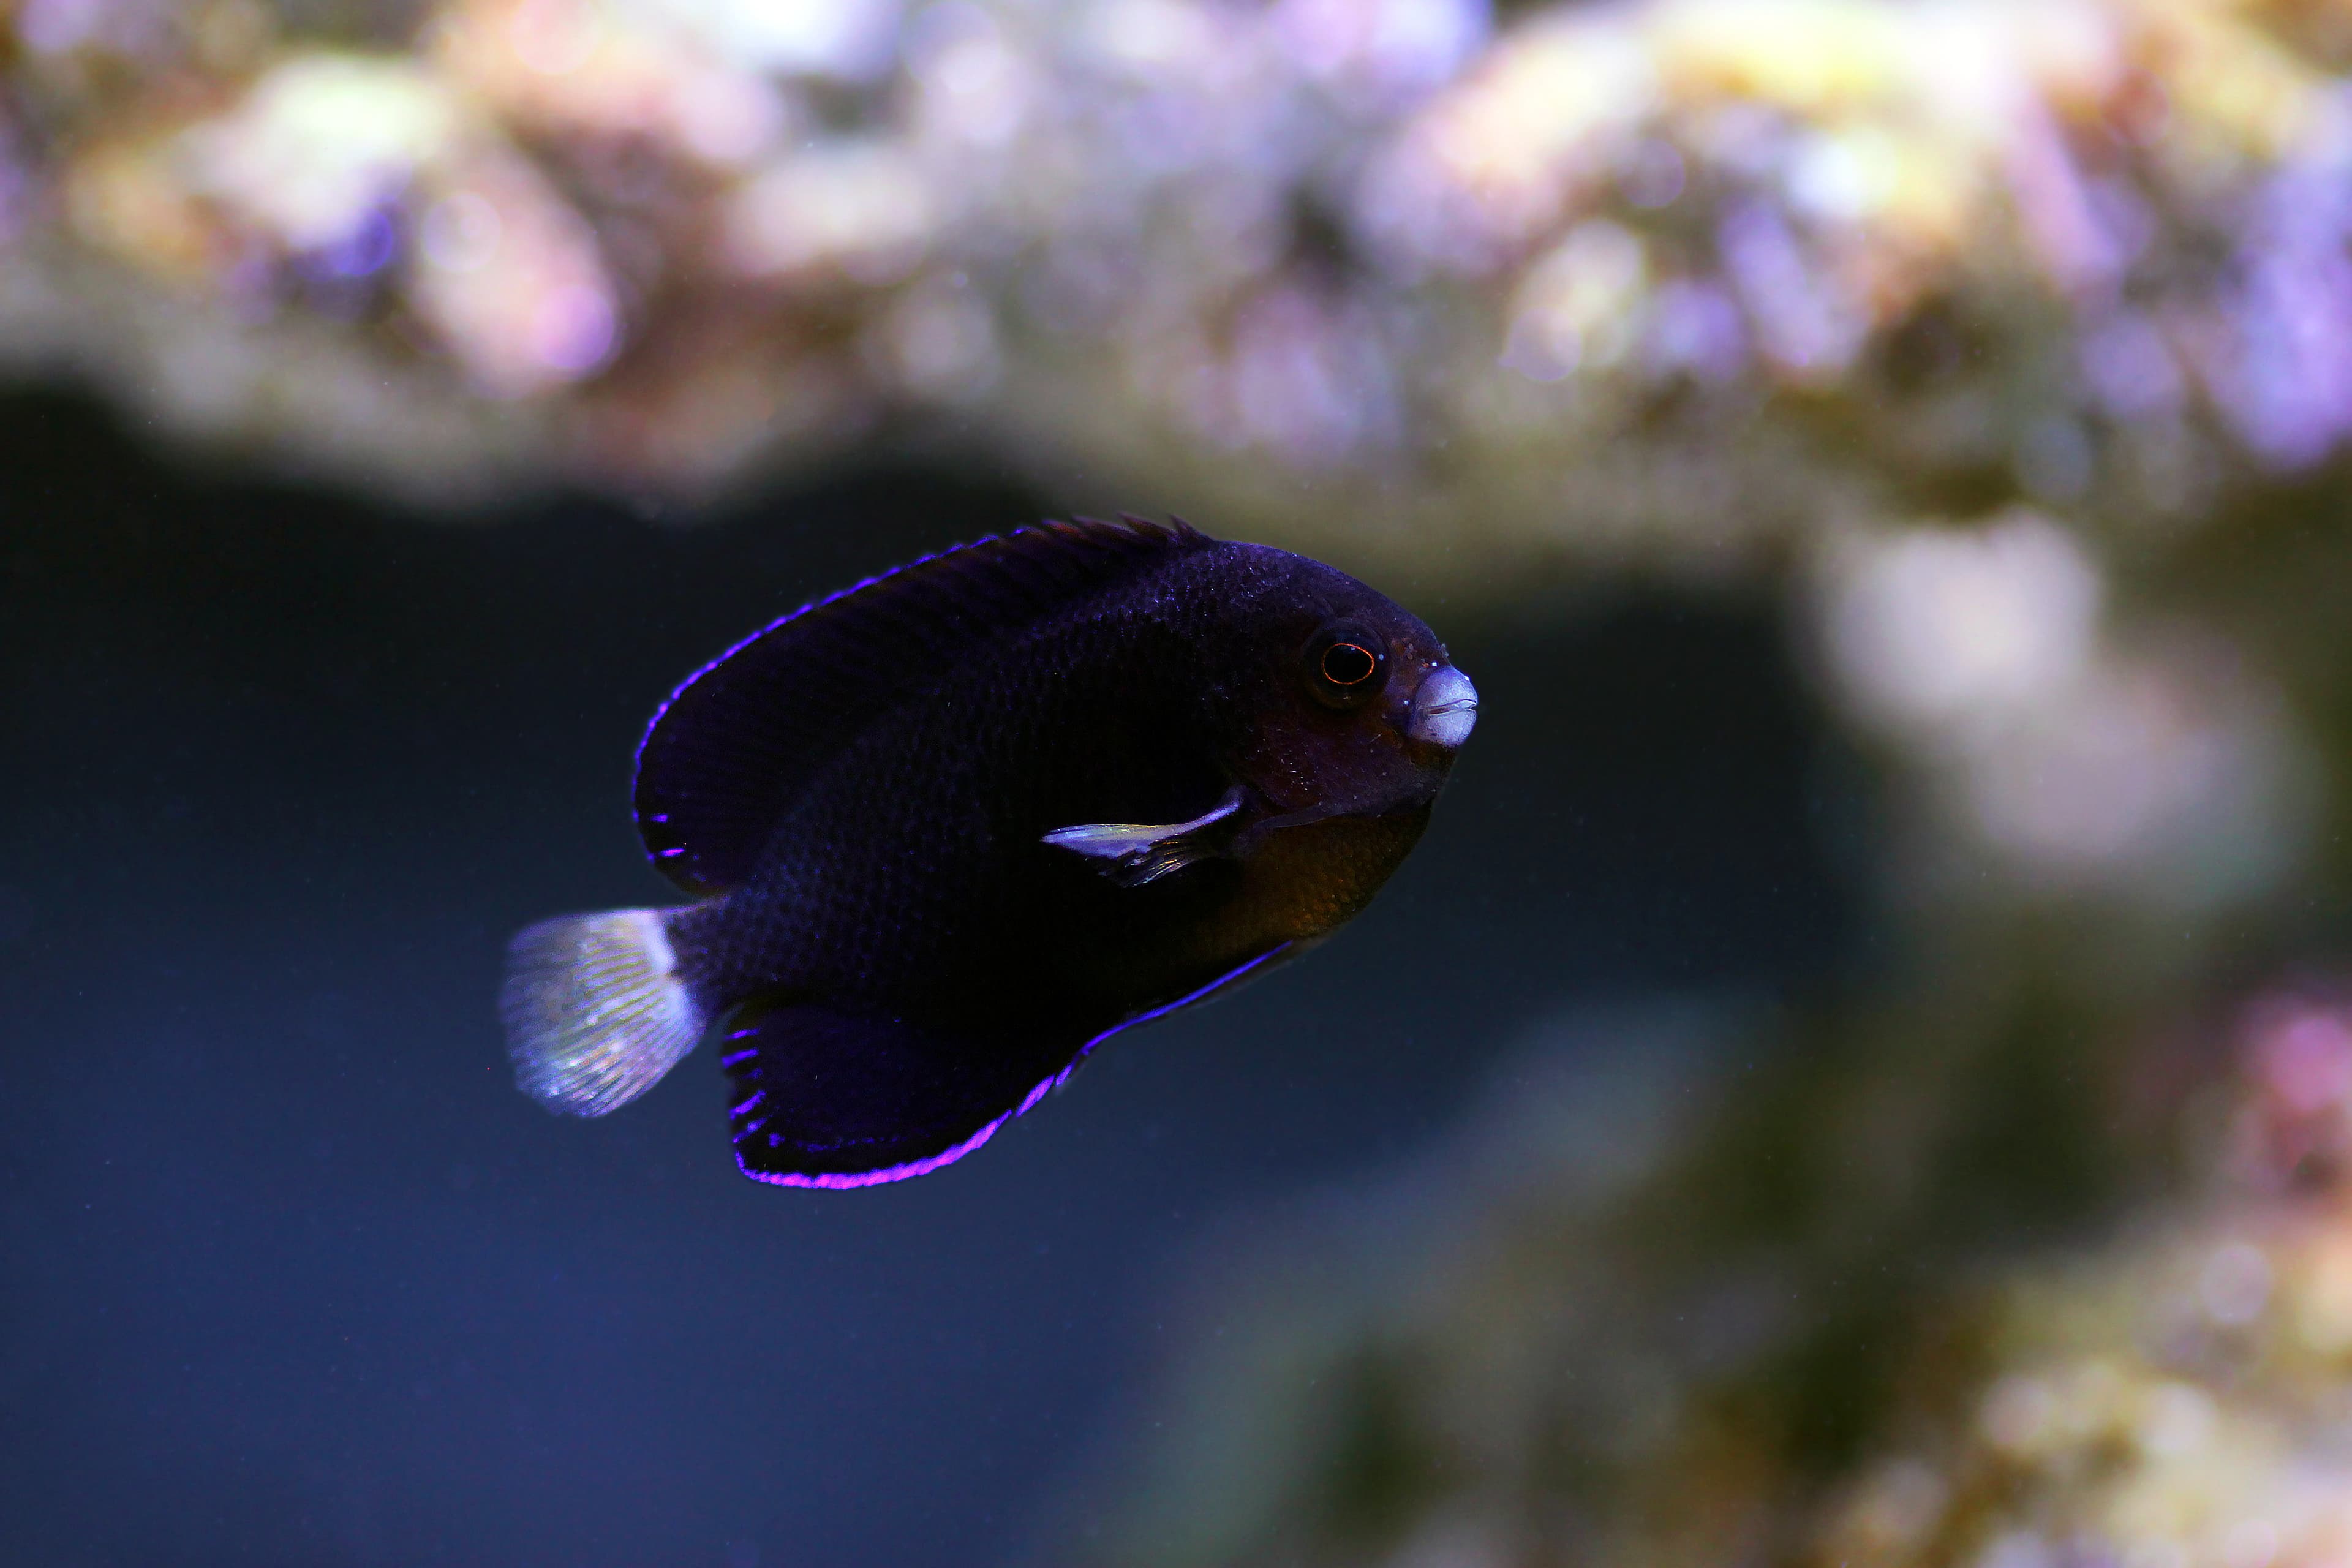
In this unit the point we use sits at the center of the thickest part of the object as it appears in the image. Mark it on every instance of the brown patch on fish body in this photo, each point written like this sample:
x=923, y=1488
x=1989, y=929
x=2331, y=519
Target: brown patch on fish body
x=1306, y=881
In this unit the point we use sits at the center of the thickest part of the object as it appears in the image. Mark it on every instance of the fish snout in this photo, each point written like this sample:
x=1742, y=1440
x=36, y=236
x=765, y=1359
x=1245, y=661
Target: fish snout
x=1443, y=709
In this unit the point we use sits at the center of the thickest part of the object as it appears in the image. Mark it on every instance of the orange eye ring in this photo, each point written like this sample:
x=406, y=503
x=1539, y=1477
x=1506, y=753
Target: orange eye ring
x=1349, y=664
x=1345, y=665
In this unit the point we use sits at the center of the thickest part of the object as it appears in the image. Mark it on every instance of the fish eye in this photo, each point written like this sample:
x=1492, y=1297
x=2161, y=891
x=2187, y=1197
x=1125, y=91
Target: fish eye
x=1348, y=663
x=1344, y=664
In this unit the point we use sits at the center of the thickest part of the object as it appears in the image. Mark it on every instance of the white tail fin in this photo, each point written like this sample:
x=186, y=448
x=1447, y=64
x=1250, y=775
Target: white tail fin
x=596, y=1013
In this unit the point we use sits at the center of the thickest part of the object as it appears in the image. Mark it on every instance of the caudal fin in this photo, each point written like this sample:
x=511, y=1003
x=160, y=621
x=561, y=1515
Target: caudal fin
x=595, y=1010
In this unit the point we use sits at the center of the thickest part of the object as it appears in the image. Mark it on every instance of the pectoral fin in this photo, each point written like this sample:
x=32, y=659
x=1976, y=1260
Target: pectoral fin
x=1134, y=853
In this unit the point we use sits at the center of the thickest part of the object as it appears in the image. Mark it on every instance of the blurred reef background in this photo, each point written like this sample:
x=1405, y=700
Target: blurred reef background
x=1993, y=356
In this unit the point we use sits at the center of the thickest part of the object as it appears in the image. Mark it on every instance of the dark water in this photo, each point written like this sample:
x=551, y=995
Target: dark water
x=292, y=1273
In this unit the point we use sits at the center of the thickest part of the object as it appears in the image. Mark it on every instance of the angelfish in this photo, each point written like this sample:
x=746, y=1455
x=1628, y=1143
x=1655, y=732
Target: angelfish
x=949, y=829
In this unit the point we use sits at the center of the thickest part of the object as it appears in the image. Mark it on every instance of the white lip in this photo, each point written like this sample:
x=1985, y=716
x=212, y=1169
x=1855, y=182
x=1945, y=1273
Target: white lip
x=1445, y=708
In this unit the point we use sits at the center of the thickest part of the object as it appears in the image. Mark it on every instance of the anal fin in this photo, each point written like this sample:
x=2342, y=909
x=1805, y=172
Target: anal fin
x=827, y=1097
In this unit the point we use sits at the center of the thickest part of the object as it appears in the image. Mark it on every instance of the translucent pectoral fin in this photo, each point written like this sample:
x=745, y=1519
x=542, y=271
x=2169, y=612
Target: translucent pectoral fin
x=1134, y=853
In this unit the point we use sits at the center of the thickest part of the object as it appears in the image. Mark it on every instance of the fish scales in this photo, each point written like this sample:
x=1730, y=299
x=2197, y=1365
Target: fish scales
x=954, y=827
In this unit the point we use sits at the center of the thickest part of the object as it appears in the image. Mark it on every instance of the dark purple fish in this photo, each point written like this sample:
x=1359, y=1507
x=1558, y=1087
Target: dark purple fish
x=951, y=829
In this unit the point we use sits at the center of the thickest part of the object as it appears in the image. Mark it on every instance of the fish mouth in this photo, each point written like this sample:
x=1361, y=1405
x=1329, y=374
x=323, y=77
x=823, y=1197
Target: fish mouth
x=1443, y=710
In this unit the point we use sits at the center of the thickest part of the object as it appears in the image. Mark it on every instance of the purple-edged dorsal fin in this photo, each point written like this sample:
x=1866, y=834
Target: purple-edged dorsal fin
x=743, y=736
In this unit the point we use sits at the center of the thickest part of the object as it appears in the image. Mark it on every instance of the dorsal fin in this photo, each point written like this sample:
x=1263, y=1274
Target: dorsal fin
x=743, y=735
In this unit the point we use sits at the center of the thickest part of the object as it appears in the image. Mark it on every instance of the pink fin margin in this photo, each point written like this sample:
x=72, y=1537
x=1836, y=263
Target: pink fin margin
x=842, y=1180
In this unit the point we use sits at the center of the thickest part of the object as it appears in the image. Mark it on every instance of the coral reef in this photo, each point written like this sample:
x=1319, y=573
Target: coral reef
x=1911, y=1296
x=1707, y=285
x=2011, y=341
x=1824, y=254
